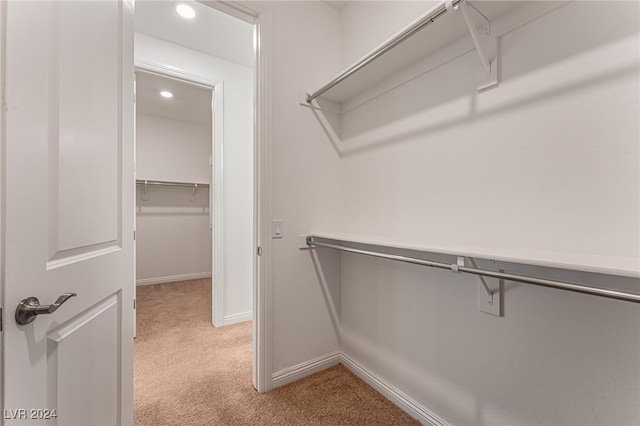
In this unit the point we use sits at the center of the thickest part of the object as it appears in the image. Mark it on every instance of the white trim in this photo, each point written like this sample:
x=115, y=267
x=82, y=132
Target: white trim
x=247, y=11
x=255, y=13
x=393, y=394
x=297, y=372
x=173, y=278
x=157, y=68
x=216, y=199
x=262, y=354
x=3, y=144
x=236, y=318
x=263, y=361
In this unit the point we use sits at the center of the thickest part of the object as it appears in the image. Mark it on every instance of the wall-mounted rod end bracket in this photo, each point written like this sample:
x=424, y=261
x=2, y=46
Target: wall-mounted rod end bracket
x=308, y=98
x=305, y=242
x=448, y=4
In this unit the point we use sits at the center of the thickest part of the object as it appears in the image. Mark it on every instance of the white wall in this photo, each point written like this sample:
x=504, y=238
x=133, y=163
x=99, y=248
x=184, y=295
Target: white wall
x=172, y=150
x=530, y=152
x=238, y=158
x=364, y=27
x=548, y=163
x=305, y=52
x=173, y=241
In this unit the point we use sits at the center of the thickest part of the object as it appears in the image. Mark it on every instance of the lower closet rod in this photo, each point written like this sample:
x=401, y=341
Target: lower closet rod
x=611, y=294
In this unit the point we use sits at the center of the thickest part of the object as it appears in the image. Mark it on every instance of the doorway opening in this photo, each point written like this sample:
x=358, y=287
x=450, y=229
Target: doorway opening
x=173, y=156
x=180, y=209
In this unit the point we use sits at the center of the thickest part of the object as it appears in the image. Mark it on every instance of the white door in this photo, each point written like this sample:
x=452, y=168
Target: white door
x=67, y=210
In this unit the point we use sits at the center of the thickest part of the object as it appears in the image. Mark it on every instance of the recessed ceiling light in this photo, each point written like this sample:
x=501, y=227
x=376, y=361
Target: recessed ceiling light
x=185, y=11
x=166, y=94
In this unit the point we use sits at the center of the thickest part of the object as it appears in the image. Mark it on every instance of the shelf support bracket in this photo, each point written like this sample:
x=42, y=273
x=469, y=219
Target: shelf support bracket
x=489, y=297
x=144, y=191
x=486, y=46
x=483, y=281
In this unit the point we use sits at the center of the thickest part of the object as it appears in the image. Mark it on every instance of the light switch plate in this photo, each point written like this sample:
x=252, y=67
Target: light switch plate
x=276, y=229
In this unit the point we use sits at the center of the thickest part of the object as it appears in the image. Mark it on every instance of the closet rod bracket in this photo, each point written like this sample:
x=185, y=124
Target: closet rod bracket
x=193, y=193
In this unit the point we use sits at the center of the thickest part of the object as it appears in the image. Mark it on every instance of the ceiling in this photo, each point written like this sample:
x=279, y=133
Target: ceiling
x=211, y=32
x=189, y=103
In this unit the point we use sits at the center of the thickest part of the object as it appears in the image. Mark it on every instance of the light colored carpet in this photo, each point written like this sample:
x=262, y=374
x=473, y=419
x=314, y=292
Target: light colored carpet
x=190, y=373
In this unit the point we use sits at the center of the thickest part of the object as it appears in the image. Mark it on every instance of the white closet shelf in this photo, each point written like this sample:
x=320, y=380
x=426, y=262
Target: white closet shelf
x=434, y=30
x=172, y=183
x=586, y=262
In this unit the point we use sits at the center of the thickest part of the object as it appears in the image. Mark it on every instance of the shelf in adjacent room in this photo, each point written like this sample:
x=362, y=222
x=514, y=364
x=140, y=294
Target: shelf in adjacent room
x=172, y=183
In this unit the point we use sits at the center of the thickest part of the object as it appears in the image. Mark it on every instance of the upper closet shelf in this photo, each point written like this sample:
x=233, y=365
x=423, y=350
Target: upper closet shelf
x=447, y=22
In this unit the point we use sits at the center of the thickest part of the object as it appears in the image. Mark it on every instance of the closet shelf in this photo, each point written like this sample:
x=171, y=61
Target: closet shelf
x=414, y=43
x=193, y=185
x=311, y=241
x=601, y=264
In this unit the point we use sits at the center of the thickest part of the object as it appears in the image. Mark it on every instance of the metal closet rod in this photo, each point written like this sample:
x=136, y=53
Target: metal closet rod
x=413, y=29
x=167, y=183
x=611, y=294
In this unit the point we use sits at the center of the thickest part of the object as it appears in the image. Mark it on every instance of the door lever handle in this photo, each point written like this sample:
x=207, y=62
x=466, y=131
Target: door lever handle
x=28, y=309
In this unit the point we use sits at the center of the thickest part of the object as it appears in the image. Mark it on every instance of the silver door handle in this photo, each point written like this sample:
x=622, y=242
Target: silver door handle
x=28, y=309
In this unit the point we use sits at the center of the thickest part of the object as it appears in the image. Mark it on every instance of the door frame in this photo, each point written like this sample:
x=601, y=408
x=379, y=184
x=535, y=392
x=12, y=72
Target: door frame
x=255, y=14
x=3, y=309
x=216, y=188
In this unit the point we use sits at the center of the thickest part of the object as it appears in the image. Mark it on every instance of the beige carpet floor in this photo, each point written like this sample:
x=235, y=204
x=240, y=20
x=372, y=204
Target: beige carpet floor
x=190, y=373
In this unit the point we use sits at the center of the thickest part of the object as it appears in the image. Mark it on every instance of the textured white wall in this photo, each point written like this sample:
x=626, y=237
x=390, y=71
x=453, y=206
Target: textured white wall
x=364, y=27
x=548, y=162
x=306, y=183
x=172, y=232
x=172, y=150
x=238, y=158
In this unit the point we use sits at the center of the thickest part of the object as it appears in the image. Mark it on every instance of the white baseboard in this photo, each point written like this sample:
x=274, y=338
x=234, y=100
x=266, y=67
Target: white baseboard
x=236, y=318
x=393, y=394
x=297, y=372
x=173, y=278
